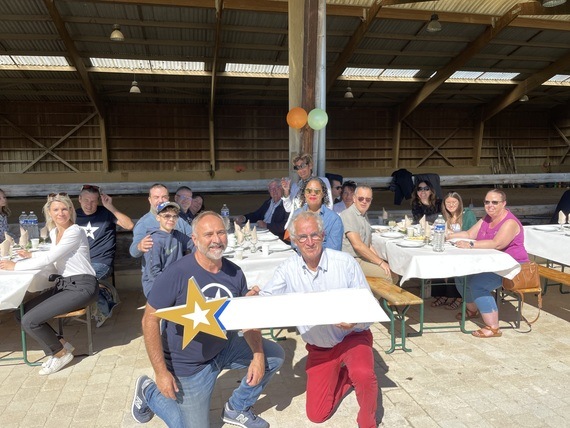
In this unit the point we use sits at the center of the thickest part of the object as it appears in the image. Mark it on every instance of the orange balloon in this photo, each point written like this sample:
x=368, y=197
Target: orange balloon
x=297, y=117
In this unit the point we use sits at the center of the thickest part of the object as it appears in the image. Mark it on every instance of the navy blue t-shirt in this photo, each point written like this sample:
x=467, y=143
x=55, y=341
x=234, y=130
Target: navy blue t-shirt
x=171, y=288
x=101, y=232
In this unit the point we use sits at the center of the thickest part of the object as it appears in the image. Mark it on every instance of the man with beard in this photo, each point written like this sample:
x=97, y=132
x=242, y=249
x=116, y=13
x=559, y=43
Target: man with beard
x=185, y=377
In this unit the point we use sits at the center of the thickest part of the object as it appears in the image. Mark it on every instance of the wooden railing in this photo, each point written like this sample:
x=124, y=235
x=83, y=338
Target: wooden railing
x=240, y=186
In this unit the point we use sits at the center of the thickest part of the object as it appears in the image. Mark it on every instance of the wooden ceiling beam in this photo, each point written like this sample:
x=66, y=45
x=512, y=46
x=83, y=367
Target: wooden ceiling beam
x=74, y=56
x=460, y=60
x=524, y=87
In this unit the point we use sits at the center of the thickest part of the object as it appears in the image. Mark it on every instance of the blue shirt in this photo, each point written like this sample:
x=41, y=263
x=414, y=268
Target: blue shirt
x=334, y=229
x=336, y=270
x=149, y=222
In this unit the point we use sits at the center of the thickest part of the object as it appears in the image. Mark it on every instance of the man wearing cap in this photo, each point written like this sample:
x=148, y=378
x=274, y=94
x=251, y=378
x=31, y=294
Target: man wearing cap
x=168, y=246
x=142, y=242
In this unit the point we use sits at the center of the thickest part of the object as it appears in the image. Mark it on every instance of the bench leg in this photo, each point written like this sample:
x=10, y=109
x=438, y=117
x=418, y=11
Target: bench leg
x=400, y=316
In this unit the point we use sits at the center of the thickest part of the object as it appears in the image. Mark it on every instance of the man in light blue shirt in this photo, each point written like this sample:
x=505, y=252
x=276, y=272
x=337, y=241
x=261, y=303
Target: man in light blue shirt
x=340, y=356
x=142, y=242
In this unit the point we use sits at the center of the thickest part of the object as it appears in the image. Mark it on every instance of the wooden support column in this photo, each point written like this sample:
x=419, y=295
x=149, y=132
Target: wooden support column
x=396, y=135
x=296, y=48
x=478, y=129
x=104, y=147
x=310, y=31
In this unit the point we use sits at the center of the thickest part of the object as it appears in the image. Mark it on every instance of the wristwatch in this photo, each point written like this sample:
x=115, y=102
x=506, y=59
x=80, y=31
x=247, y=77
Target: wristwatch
x=471, y=244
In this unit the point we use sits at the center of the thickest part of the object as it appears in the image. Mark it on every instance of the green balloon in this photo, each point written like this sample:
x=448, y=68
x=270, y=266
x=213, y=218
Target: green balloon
x=318, y=119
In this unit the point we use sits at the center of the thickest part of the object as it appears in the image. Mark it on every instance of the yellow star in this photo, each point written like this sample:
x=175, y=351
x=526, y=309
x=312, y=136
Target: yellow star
x=198, y=314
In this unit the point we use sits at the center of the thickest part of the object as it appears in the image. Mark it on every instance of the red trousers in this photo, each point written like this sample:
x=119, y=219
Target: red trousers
x=328, y=381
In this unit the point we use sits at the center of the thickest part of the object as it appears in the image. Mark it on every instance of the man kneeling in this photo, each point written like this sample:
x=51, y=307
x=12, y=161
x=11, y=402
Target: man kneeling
x=340, y=356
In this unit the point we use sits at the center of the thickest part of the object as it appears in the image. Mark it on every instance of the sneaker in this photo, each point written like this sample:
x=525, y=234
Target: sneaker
x=140, y=410
x=55, y=364
x=245, y=418
x=47, y=362
x=100, y=320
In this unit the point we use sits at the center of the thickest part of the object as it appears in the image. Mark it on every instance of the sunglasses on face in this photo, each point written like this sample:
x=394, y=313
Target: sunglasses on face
x=423, y=188
x=337, y=187
x=315, y=191
x=492, y=202
x=314, y=237
x=184, y=198
x=300, y=166
x=170, y=216
x=90, y=187
x=362, y=199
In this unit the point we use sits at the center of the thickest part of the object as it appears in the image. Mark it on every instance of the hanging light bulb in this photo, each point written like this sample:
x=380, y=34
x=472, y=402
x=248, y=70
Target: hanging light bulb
x=552, y=3
x=433, y=25
x=348, y=93
x=524, y=98
x=135, y=86
x=117, y=35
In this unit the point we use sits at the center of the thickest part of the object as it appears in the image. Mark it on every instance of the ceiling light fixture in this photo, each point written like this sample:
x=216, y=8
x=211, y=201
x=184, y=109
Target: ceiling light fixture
x=433, y=25
x=348, y=93
x=117, y=35
x=135, y=86
x=552, y=3
x=524, y=98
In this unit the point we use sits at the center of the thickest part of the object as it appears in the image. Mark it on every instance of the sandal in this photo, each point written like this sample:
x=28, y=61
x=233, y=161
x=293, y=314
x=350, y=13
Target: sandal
x=455, y=304
x=468, y=314
x=481, y=332
x=440, y=301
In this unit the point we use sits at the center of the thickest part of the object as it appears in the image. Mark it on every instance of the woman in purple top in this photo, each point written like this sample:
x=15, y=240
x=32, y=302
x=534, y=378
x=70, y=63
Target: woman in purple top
x=499, y=230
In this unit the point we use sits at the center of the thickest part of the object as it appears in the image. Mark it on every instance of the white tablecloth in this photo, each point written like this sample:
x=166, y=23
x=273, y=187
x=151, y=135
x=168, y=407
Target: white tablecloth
x=551, y=245
x=13, y=285
x=425, y=263
x=258, y=269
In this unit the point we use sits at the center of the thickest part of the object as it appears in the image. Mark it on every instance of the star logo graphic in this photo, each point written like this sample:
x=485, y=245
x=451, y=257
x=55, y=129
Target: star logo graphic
x=197, y=315
x=89, y=230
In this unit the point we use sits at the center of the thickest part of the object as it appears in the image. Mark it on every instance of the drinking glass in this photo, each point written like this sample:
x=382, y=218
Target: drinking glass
x=253, y=242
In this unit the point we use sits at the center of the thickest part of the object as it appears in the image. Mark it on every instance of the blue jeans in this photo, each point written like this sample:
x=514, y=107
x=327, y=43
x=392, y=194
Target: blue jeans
x=479, y=287
x=192, y=405
x=102, y=270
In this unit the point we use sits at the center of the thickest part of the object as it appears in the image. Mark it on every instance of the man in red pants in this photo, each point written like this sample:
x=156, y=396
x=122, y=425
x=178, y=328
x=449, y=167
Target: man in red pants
x=340, y=356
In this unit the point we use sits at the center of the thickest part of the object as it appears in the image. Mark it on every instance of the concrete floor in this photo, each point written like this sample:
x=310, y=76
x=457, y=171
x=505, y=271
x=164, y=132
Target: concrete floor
x=450, y=379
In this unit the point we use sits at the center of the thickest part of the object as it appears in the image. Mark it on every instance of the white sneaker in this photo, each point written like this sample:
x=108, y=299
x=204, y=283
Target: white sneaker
x=47, y=362
x=55, y=364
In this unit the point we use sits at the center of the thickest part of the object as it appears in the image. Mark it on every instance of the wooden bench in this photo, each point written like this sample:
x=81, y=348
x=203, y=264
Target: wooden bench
x=559, y=278
x=392, y=296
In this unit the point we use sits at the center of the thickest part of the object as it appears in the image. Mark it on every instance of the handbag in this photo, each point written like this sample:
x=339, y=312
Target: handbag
x=526, y=281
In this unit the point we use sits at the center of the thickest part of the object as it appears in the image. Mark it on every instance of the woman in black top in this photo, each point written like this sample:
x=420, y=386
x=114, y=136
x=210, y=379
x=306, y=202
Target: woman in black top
x=424, y=202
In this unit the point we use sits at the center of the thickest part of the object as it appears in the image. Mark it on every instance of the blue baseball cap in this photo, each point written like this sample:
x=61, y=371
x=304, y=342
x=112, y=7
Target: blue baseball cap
x=164, y=205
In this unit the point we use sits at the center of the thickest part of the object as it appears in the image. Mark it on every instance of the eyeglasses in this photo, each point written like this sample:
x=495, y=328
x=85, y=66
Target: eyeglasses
x=55, y=195
x=337, y=187
x=362, y=199
x=184, y=198
x=423, y=188
x=492, y=202
x=314, y=237
x=311, y=191
x=300, y=166
x=90, y=187
x=170, y=216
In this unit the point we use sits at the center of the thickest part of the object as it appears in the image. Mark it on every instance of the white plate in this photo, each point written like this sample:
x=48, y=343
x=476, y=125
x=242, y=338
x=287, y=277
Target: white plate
x=262, y=230
x=454, y=240
x=379, y=228
x=392, y=235
x=547, y=228
x=267, y=238
x=410, y=244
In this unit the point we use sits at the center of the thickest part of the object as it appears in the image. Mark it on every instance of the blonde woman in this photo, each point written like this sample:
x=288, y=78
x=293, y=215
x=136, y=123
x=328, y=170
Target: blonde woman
x=74, y=289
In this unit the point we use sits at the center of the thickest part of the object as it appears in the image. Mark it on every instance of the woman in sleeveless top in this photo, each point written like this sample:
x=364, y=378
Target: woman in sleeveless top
x=499, y=230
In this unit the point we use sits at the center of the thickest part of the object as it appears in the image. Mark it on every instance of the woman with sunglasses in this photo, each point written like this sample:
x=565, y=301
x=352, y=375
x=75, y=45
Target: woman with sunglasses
x=457, y=218
x=424, y=202
x=75, y=288
x=4, y=213
x=499, y=230
x=314, y=198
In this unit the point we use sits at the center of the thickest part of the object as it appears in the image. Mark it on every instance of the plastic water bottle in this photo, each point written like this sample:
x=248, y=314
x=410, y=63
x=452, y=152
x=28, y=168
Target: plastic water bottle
x=225, y=212
x=438, y=233
x=23, y=220
x=33, y=230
